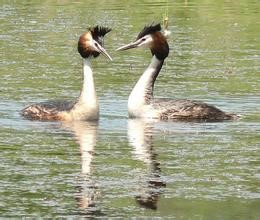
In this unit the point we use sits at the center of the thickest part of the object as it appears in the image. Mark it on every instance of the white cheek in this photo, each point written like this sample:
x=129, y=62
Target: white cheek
x=147, y=43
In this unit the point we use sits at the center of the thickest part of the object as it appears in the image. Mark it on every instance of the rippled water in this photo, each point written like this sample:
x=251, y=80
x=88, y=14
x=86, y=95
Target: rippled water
x=120, y=167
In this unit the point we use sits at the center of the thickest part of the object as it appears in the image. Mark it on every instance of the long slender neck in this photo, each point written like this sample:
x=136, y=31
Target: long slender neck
x=87, y=107
x=142, y=93
x=88, y=92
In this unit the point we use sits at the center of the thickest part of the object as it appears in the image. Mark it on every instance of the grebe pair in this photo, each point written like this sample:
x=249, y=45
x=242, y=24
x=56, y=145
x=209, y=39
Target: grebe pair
x=141, y=103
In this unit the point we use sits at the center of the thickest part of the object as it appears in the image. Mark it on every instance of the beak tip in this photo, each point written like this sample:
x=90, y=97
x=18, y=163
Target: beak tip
x=127, y=47
x=118, y=49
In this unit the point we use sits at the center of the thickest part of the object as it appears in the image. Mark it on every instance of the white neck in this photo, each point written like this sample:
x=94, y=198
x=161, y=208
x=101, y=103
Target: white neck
x=88, y=92
x=142, y=93
x=87, y=106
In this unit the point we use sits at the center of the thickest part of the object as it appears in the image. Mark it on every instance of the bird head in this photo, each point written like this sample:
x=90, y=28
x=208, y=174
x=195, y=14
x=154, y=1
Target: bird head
x=150, y=37
x=91, y=42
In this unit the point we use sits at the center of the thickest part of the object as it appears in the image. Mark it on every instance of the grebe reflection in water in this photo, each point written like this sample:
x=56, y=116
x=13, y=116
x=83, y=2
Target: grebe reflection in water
x=140, y=138
x=85, y=133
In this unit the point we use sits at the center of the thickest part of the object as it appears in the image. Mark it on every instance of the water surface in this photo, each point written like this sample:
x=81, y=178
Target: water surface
x=120, y=167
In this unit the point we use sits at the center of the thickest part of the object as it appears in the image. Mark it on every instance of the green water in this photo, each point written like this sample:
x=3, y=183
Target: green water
x=120, y=167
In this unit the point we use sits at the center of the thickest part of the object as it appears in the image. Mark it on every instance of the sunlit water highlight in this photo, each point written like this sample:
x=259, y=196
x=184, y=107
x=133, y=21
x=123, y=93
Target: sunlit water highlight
x=120, y=167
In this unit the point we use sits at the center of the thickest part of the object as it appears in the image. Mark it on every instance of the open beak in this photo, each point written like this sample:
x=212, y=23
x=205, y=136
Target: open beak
x=128, y=46
x=101, y=50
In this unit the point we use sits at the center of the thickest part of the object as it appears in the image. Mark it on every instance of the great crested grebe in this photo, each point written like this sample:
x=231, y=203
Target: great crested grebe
x=141, y=103
x=86, y=107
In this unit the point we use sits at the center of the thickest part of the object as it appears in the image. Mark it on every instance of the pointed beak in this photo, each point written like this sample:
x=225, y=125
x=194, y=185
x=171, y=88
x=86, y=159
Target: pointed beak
x=128, y=46
x=101, y=50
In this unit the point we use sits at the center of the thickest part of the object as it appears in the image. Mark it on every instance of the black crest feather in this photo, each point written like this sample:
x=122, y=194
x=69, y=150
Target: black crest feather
x=99, y=32
x=149, y=30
